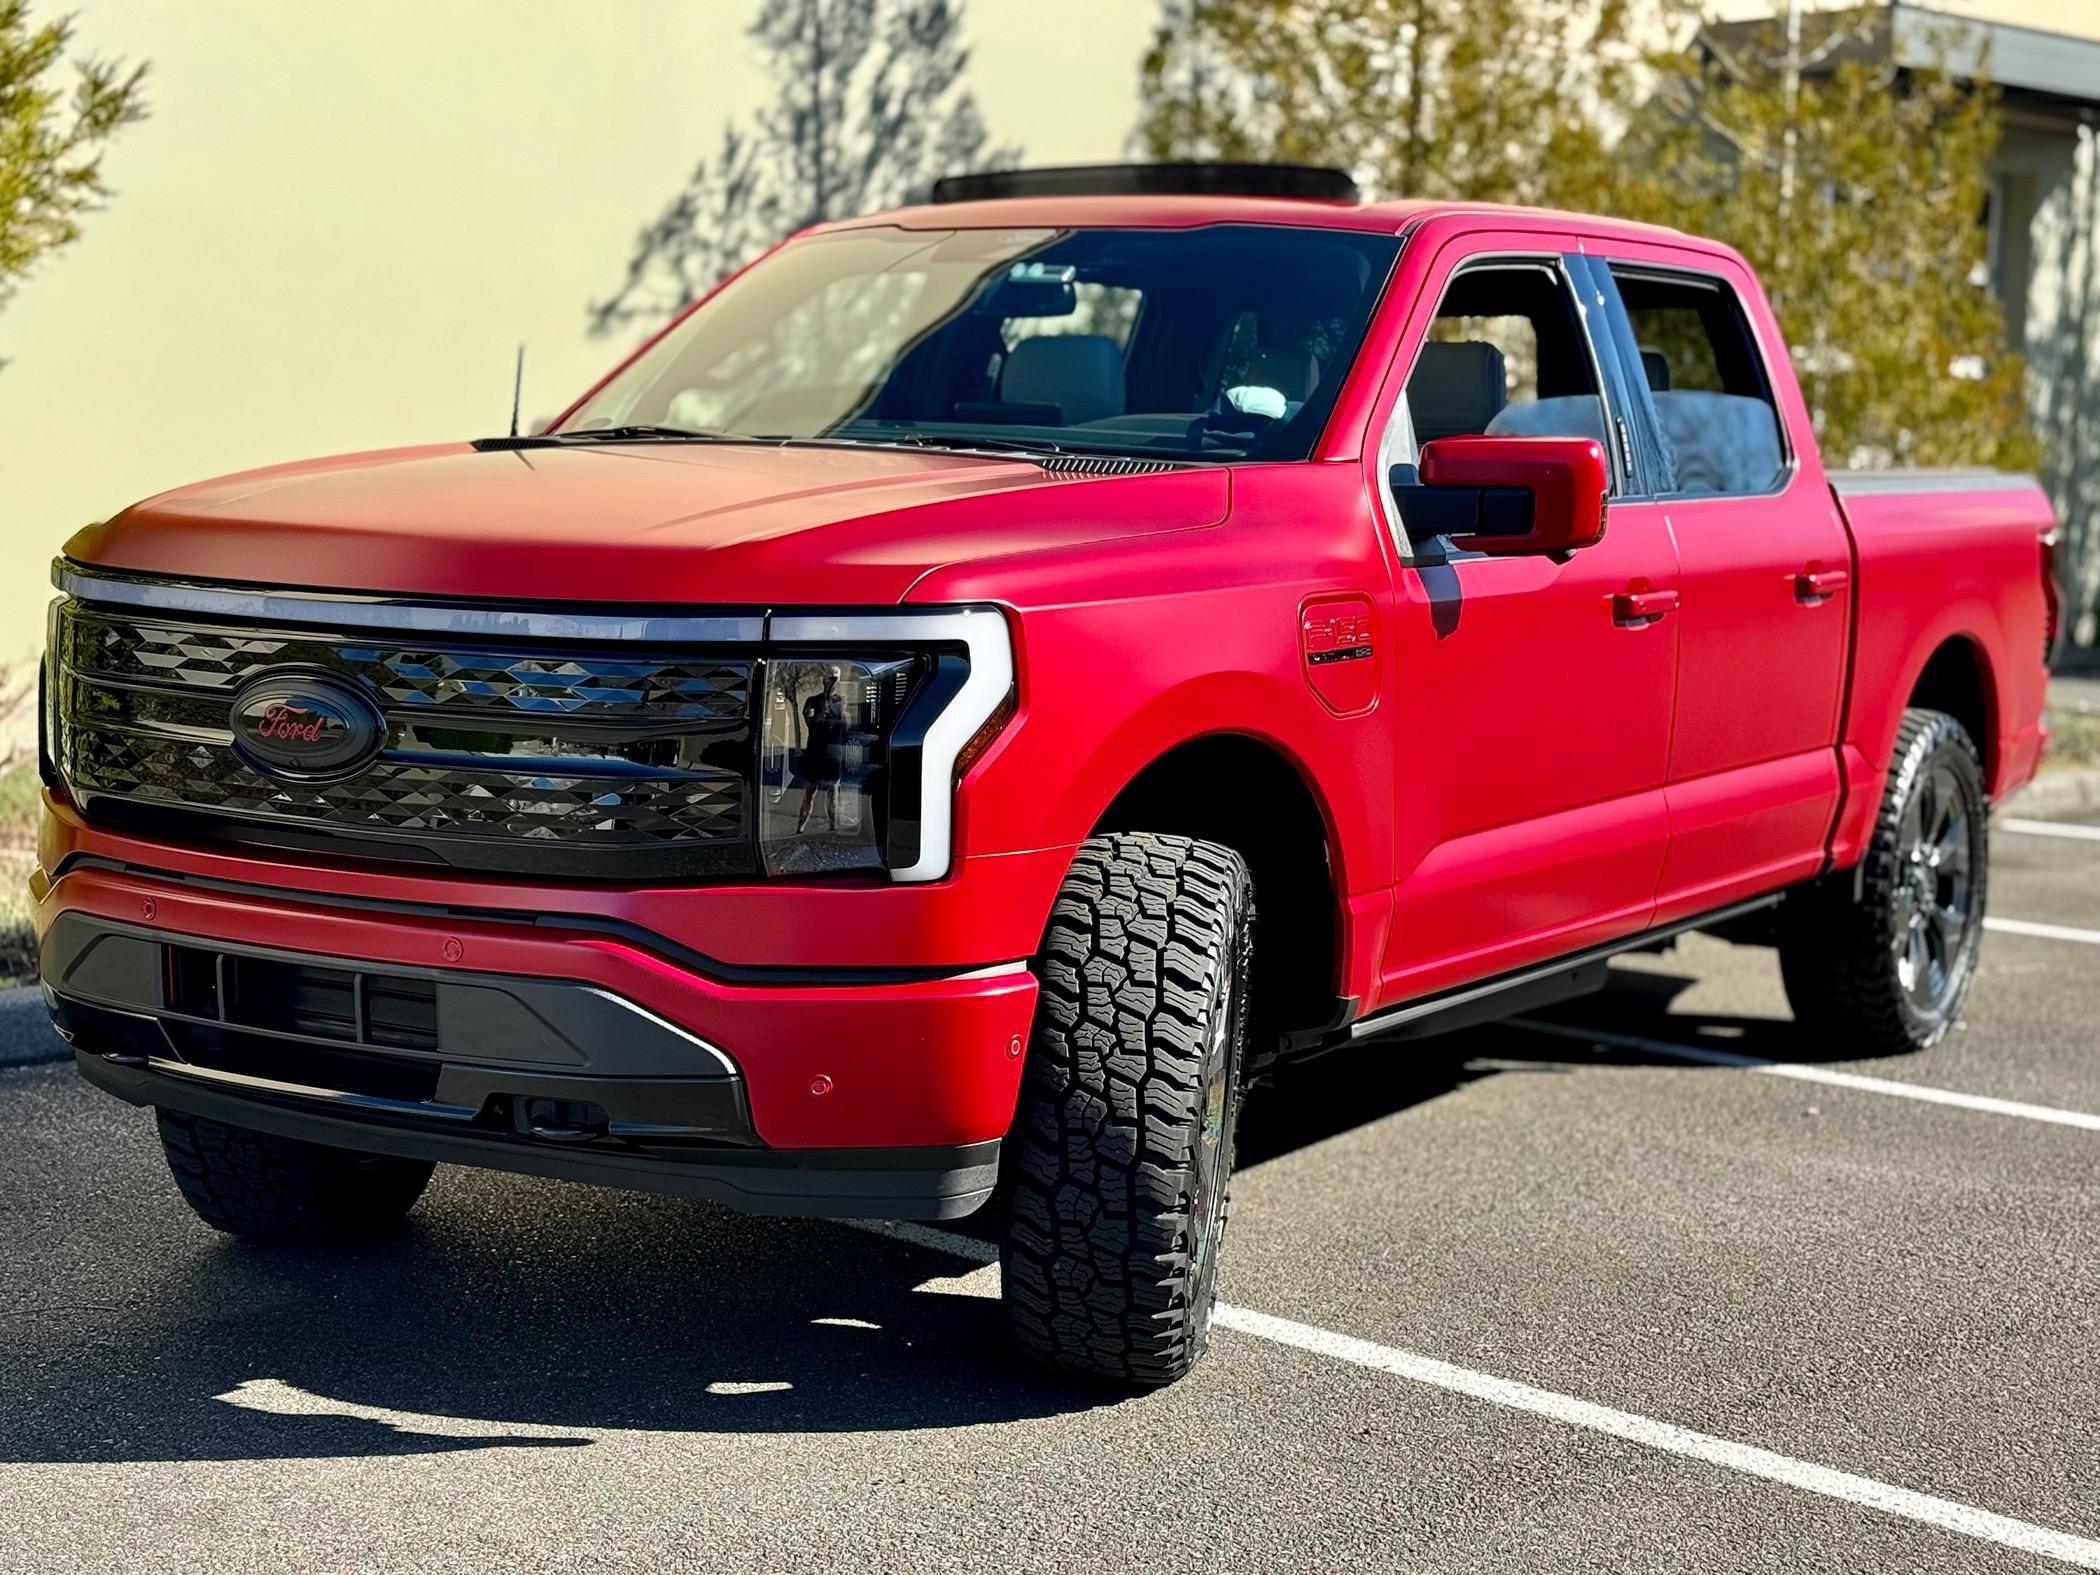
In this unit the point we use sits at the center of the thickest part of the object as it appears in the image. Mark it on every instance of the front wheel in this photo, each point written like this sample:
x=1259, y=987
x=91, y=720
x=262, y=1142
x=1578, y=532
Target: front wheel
x=1121, y=1156
x=1884, y=956
x=266, y=1188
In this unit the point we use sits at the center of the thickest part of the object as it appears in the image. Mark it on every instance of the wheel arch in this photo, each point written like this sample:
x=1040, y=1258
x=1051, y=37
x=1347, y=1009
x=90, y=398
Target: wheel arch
x=1950, y=669
x=1249, y=793
x=1957, y=678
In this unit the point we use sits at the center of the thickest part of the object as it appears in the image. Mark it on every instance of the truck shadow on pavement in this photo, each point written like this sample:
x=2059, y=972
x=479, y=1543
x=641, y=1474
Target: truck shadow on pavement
x=519, y=1313
x=510, y=1313
x=1310, y=1101
x=1638, y=1004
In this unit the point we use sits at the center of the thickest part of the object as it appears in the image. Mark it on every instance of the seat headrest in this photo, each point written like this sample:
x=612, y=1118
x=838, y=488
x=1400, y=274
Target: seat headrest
x=1292, y=370
x=1457, y=387
x=1081, y=374
x=1657, y=367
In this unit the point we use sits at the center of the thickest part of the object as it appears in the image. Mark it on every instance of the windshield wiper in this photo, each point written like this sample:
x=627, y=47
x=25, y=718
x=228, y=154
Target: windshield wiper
x=644, y=433
x=626, y=434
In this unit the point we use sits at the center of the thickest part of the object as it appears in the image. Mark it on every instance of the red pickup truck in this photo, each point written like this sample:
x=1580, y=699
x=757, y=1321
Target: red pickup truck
x=991, y=681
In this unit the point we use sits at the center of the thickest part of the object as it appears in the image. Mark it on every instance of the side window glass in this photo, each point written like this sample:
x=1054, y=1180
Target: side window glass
x=1505, y=356
x=1713, y=403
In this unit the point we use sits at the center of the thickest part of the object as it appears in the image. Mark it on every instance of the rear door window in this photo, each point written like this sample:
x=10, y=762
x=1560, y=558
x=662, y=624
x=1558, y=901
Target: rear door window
x=1720, y=430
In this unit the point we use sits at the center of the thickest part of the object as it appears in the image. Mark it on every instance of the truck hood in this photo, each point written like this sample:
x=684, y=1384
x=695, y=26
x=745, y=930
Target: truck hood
x=684, y=523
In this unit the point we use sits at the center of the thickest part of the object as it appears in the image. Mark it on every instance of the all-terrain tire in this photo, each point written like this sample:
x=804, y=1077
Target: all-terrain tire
x=266, y=1188
x=1121, y=1157
x=1883, y=958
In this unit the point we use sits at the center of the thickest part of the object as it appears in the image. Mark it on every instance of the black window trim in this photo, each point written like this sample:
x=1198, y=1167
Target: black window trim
x=1622, y=327
x=1609, y=395
x=1555, y=263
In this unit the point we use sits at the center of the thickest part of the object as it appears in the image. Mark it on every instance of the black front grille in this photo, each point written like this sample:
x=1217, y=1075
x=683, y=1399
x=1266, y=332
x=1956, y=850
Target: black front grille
x=419, y=677
x=526, y=757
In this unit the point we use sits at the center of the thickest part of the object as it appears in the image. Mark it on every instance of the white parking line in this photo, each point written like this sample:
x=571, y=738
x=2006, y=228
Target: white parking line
x=2085, y=1120
x=2048, y=828
x=2045, y=932
x=1666, y=1437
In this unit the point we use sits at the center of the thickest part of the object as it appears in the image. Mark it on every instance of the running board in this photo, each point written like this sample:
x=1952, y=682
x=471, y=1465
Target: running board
x=1524, y=989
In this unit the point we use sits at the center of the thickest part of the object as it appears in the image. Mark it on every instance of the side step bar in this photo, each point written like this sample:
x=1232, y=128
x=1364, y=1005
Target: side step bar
x=1523, y=989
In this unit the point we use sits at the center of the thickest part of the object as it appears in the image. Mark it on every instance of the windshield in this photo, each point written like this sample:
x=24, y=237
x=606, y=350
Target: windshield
x=1227, y=342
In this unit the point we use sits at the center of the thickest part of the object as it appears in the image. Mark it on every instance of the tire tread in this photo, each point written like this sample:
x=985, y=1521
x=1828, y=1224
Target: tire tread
x=1096, y=1251
x=1833, y=947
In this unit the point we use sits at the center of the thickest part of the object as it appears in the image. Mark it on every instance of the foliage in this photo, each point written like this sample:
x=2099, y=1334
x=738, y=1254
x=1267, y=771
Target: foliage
x=21, y=806
x=1856, y=193
x=1858, y=198
x=871, y=109
x=2074, y=741
x=1469, y=99
x=52, y=139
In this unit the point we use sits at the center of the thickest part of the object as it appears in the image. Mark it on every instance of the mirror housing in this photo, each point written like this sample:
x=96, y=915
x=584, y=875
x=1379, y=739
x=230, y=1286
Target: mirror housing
x=1506, y=495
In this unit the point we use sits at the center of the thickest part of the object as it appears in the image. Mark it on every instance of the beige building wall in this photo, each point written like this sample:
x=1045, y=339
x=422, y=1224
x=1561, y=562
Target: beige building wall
x=341, y=220
x=2075, y=18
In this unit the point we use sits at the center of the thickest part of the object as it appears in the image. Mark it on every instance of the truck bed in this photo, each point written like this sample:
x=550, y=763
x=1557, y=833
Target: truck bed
x=1943, y=556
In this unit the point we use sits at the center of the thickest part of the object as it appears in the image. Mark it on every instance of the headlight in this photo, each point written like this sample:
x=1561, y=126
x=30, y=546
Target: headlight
x=865, y=721
x=47, y=698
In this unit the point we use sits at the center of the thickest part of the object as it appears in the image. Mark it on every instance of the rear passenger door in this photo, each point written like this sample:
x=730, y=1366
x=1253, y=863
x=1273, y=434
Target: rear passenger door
x=1533, y=694
x=1764, y=566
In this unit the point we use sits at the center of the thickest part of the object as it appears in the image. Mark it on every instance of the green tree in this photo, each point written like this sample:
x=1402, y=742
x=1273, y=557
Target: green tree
x=1471, y=99
x=1854, y=188
x=872, y=108
x=54, y=126
x=1857, y=191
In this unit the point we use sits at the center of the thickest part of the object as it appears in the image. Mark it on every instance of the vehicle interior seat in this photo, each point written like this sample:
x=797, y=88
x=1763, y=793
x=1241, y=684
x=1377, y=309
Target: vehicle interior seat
x=1457, y=389
x=1724, y=442
x=1081, y=375
x=1564, y=415
x=1716, y=442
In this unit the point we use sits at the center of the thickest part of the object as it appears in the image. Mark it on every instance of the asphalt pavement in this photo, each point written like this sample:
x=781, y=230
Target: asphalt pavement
x=2076, y=691
x=1667, y=1287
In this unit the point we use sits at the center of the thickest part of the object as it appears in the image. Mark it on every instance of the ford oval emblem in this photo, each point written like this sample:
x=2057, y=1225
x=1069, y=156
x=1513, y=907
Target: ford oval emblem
x=299, y=724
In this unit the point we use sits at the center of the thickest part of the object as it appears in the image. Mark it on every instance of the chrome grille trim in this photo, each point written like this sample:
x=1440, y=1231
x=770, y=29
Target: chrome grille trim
x=508, y=681
x=335, y=612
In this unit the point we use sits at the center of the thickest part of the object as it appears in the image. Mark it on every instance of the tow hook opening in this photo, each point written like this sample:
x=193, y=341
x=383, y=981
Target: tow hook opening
x=560, y=1120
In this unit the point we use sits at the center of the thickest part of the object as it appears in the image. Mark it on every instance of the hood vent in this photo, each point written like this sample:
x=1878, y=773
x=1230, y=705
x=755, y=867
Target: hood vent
x=1102, y=465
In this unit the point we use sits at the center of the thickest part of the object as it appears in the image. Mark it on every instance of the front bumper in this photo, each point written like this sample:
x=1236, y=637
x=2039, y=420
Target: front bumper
x=923, y=1183
x=479, y=1039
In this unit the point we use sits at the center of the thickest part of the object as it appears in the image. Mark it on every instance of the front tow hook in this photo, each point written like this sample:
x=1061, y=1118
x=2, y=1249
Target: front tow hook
x=562, y=1120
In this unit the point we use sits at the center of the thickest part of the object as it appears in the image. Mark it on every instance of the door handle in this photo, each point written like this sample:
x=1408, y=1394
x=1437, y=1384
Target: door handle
x=1641, y=607
x=1817, y=585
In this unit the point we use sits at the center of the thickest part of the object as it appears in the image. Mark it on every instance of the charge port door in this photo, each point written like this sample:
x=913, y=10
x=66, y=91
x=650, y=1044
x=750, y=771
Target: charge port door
x=1338, y=636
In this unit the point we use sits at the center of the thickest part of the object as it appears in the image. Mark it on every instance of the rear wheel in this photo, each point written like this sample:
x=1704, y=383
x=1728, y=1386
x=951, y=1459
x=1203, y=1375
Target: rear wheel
x=262, y=1187
x=1121, y=1158
x=1887, y=956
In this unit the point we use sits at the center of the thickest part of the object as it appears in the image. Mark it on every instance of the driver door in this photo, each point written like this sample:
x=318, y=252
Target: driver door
x=1534, y=693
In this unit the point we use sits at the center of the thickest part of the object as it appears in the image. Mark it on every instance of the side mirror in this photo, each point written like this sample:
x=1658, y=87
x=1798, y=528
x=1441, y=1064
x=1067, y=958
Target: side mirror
x=1506, y=495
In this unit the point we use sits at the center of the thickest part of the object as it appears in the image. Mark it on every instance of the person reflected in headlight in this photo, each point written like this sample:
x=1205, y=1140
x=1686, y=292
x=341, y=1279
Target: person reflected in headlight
x=821, y=760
